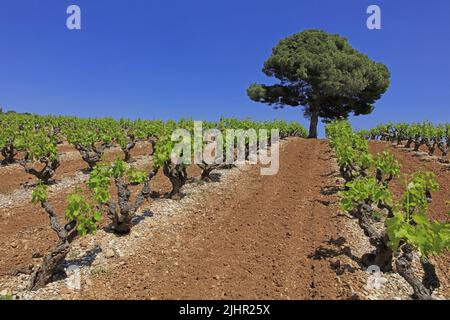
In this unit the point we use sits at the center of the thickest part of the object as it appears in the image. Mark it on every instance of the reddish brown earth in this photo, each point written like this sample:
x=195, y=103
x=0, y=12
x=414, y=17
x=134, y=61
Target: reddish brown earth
x=253, y=242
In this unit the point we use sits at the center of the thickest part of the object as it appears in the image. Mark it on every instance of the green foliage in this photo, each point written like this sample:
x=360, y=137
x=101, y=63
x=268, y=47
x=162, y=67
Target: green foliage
x=38, y=136
x=352, y=151
x=100, y=179
x=323, y=73
x=387, y=164
x=163, y=151
x=90, y=132
x=417, y=190
x=433, y=136
x=351, y=148
x=38, y=144
x=118, y=168
x=79, y=210
x=129, y=130
x=40, y=193
x=136, y=176
x=99, y=182
x=429, y=237
x=411, y=222
x=364, y=191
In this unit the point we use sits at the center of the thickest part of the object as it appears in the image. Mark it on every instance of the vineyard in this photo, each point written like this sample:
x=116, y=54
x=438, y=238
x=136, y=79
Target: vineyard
x=404, y=225
x=73, y=188
x=225, y=159
x=32, y=142
x=415, y=136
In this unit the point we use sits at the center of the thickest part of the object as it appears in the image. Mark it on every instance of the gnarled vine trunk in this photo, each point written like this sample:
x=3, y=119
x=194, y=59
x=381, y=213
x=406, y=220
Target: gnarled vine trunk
x=122, y=215
x=379, y=175
x=46, y=174
x=8, y=153
x=153, y=141
x=444, y=149
x=206, y=170
x=417, y=143
x=127, y=152
x=409, y=143
x=431, y=145
x=178, y=176
x=44, y=273
x=92, y=154
x=128, y=147
x=383, y=253
x=404, y=268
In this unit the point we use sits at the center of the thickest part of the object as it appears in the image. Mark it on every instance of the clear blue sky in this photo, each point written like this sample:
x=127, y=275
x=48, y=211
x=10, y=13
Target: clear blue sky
x=192, y=58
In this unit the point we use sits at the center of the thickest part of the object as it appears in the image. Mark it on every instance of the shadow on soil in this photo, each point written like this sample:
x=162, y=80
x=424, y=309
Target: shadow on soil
x=134, y=221
x=325, y=203
x=333, y=174
x=141, y=217
x=215, y=177
x=85, y=260
x=330, y=190
x=335, y=248
x=31, y=185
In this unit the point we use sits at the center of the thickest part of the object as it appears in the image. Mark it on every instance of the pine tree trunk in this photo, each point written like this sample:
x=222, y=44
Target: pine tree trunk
x=313, y=125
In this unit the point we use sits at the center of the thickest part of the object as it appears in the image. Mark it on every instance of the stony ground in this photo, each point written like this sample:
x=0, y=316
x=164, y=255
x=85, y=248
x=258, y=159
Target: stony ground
x=245, y=236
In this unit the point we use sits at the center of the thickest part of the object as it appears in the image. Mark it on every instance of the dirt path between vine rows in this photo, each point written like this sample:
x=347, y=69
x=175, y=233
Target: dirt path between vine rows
x=256, y=240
